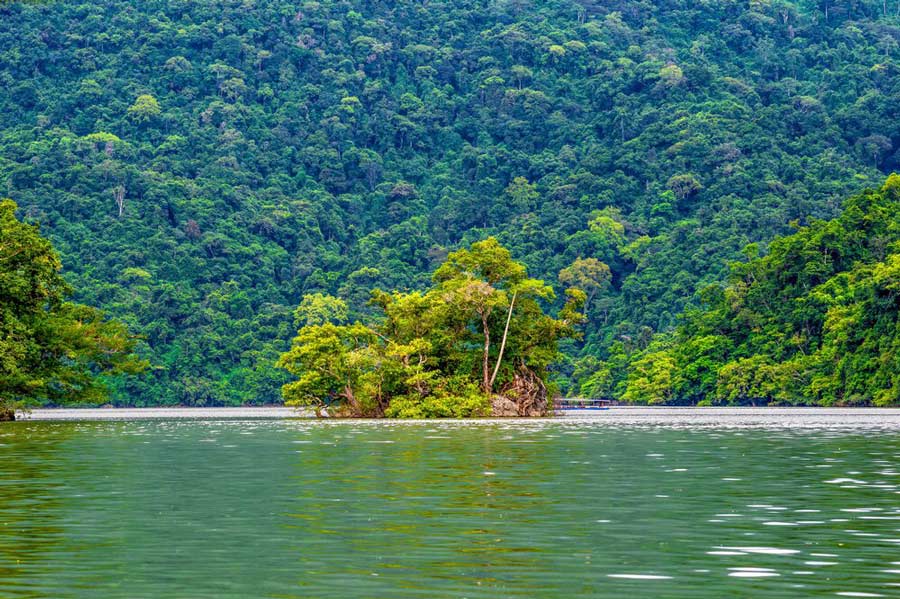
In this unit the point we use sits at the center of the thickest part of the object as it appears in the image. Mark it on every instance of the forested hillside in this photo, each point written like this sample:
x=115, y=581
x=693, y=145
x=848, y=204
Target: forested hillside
x=814, y=321
x=200, y=166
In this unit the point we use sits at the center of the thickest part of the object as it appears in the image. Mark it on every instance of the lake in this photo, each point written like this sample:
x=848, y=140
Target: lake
x=674, y=503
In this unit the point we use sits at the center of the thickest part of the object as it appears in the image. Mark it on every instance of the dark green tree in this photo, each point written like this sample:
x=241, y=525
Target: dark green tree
x=50, y=348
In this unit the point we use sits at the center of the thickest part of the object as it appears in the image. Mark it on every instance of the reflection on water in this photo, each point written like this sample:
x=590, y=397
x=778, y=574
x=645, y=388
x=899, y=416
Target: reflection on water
x=29, y=501
x=572, y=508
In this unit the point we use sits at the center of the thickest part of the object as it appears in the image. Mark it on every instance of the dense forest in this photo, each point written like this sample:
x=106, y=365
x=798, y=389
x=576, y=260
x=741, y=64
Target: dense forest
x=201, y=166
x=817, y=320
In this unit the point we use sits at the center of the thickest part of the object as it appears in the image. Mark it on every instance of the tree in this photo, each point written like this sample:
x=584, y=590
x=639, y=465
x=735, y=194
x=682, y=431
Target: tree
x=318, y=308
x=522, y=194
x=684, y=186
x=651, y=379
x=588, y=274
x=671, y=75
x=875, y=146
x=50, y=349
x=145, y=109
x=335, y=363
x=608, y=232
x=480, y=280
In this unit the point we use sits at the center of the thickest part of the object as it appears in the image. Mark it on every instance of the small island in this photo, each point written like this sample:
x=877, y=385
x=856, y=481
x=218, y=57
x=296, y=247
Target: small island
x=476, y=343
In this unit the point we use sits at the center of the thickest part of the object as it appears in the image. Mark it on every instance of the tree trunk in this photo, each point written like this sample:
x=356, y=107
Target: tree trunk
x=119, y=193
x=351, y=400
x=485, y=367
x=512, y=303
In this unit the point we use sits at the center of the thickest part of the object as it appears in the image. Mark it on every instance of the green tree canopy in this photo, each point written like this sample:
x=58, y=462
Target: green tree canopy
x=145, y=109
x=50, y=349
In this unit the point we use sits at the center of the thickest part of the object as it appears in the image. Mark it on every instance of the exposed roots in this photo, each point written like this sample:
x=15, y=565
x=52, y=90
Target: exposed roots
x=525, y=395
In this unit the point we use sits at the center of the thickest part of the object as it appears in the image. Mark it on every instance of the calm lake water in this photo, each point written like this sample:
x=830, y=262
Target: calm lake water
x=785, y=506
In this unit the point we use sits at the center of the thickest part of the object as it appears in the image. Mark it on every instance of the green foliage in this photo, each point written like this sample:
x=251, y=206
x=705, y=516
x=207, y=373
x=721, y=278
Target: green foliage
x=245, y=154
x=317, y=308
x=588, y=274
x=650, y=381
x=50, y=349
x=815, y=321
x=334, y=362
x=461, y=399
x=441, y=353
x=145, y=109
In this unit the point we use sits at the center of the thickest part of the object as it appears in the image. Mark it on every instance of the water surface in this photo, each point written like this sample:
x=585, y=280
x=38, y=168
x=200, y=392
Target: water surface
x=600, y=507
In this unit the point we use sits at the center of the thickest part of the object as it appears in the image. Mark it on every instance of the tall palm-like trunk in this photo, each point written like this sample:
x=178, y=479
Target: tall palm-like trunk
x=512, y=304
x=485, y=366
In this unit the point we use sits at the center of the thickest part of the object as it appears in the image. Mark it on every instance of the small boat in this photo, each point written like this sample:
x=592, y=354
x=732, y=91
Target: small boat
x=578, y=404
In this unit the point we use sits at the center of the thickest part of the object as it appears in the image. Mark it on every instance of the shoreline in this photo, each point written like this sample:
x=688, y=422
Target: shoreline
x=623, y=414
x=162, y=413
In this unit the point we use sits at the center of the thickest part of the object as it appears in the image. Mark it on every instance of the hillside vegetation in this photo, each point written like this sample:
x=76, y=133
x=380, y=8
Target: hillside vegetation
x=817, y=320
x=201, y=166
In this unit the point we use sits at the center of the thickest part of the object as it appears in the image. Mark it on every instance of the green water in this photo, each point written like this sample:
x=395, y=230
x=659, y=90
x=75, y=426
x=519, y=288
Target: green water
x=522, y=509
